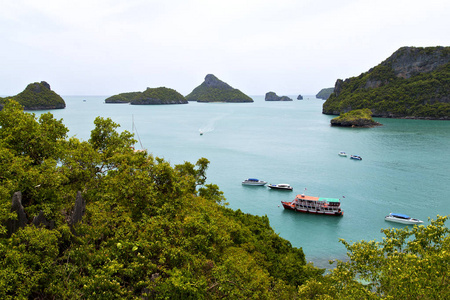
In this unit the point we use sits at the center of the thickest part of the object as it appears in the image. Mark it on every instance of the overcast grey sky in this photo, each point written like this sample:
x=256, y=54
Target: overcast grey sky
x=106, y=47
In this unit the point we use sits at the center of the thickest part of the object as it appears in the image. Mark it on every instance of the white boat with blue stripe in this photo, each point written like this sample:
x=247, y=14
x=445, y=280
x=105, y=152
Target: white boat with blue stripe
x=254, y=181
x=403, y=219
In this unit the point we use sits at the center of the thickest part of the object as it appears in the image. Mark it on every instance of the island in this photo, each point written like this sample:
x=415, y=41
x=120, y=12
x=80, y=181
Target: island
x=324, y=94
x=299, y=97
x=151, y=96
x=272, y=96
x=355, y=118
x=215, y=90
x=37, y=96
x=412, y=83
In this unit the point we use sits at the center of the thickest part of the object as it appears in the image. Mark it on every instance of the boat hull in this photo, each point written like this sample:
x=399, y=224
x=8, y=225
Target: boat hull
x=291, y=206
x=407, y=222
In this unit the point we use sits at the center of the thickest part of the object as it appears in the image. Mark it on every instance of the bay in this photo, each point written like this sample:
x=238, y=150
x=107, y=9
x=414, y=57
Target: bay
x=405, y=166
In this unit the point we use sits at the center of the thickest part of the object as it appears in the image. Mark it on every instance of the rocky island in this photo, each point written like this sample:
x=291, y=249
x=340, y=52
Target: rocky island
x=299, y=97
x=272, y=96
x=324, y=94
x=215, y=90
x=37, y=96
x=412, y=83
x=151, y=96
x=355, y=118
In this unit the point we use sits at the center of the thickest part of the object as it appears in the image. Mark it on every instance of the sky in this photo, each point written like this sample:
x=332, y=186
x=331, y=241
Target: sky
x=290, y=47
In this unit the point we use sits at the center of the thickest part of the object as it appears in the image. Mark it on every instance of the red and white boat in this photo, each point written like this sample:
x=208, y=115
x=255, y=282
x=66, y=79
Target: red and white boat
x=315, y=205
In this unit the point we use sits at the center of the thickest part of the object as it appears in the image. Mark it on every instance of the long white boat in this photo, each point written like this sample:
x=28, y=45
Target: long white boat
x=281, y=186
x=315, y=205
x=403, y=219
x=254, y=181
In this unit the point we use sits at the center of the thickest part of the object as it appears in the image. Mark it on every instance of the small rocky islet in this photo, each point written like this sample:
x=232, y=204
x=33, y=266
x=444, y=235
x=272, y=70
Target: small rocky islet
x=272, y=96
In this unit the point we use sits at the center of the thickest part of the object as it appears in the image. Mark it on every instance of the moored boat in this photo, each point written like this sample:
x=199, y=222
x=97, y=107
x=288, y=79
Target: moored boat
x=281, y=186
x=342, y=153
x=315, y=205
x=403, y=219
x=357, y=157
x=253, y=181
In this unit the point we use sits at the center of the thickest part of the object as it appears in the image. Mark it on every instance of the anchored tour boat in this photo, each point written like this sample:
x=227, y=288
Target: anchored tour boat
x=253, y=181
x=403, y=219
x=315, y=205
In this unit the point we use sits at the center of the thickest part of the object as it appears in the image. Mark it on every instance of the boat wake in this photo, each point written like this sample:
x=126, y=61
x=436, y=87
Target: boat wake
x=210, y=126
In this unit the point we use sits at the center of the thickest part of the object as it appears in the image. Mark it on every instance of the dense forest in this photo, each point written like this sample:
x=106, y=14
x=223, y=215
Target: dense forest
x=413, y=82
x=97, y=220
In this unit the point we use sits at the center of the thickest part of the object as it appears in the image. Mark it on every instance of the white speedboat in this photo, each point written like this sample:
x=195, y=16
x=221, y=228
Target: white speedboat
x=403, y=219
x=357, y=157
x=342, y=153
x=253, y=181
x=281, y=186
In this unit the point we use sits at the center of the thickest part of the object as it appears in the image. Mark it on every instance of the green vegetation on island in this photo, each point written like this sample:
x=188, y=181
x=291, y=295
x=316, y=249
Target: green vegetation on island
x=412, y=83
x=324, y=94
x=215, y=90
x=37, y=96
x=96, y=220
x=355, y=118
x=151, y=96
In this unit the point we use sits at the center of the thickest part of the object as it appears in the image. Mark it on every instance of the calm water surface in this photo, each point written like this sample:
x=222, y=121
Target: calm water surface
x=405, y=166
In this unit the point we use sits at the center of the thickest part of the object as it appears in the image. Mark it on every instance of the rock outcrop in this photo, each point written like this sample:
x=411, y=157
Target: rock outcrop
x=355, y=118
x=215, y=90
x=299, y=97
x=412, y=83
x=38, y=96
x=272, y=96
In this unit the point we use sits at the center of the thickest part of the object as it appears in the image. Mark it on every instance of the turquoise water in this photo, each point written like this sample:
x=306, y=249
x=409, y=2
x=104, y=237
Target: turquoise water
x=405, y=166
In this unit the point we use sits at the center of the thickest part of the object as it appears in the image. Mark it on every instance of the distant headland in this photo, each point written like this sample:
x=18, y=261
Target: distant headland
x=412, y=83
x=37, y=96
x=324, y=93
x=215, y=90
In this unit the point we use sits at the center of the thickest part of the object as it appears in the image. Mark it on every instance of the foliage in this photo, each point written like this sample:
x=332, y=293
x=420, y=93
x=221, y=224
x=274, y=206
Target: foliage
x=407, y=264
x=151, y=230
x=161, y=95
x=387, y=94
x=38, y=95
x=357, y=117
x=123, y=97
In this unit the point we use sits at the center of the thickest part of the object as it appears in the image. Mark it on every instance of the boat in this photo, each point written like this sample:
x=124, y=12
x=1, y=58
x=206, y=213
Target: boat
x=281, y=186
x=401, y=218
x=314, y=205
x=201, y=132
x=357, y=157
x=342, y=153
x=253, y=181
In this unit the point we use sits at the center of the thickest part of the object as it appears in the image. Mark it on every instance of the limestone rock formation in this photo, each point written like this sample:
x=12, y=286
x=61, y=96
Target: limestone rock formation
x=412, y=83
x=355, y=118
x=324, y=94
x=38, y=96
x=272, y=96
x=151, y=96
x=215, y=90
x=299, y=97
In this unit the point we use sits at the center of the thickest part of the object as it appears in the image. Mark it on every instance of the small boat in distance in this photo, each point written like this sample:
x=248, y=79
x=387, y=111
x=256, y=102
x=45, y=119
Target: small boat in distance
x=403, y=219
x=357, y=157
x=281, y=186
x=314, y=205
x=254, y=181
x=342, y=153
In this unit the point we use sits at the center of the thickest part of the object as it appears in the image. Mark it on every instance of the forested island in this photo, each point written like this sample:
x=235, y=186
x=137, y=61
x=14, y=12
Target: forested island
x=272, y=96
x=412, y=83
x=151, y=96
x=324, y=94
x=37, y=96
x=355, y=118
x=97, y=220
x=215, y=90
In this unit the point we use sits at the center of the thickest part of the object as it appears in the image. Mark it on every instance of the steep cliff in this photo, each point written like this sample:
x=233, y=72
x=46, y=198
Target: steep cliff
x=215, y=90
x=38, y=96
x=411, y=83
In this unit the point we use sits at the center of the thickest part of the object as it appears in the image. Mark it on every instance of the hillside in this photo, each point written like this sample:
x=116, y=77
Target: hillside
x=412, y=83
x=38, y=96
x=215, y=90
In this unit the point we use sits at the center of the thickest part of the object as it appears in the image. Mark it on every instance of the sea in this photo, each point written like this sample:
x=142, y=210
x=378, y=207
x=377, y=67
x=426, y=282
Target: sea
x=405, y=166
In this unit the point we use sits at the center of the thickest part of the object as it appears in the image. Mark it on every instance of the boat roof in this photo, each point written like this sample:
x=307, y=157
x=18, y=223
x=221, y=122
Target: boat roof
x=253, y=179
x=400, y=215
x=310, y=198
x=330, y=200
